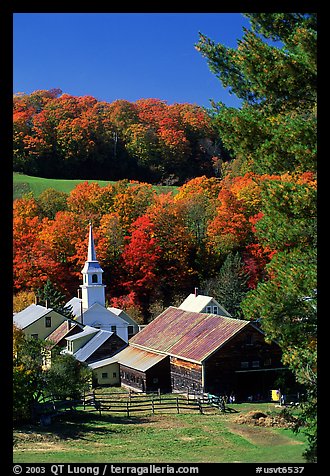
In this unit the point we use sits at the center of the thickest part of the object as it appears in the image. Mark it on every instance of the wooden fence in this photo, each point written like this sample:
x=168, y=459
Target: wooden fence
x=135, y=403
x=151, y=403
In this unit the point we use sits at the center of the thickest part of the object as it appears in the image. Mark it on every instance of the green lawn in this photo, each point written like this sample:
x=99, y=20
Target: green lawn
x=23, y=184
x=161, y=438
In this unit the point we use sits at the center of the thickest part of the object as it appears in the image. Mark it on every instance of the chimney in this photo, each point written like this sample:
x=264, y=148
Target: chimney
x=36, y=299
x=196, y=292
x=46, y=303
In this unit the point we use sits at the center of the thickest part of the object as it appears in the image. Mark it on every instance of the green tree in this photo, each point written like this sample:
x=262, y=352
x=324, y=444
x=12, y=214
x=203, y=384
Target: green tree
x=275, y=129
x=28, y=375
x=286, y=300
x=229, y=286
x=67, y=377
x=49, y=296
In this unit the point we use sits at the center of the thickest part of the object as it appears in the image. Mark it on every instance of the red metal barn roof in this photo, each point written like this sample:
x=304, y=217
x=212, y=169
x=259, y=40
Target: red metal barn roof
x=190, y=335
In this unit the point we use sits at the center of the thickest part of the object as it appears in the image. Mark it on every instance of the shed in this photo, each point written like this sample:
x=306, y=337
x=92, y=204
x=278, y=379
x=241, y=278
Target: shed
x=105, y=372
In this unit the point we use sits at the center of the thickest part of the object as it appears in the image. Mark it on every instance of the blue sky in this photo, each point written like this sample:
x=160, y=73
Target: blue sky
x=122, y=55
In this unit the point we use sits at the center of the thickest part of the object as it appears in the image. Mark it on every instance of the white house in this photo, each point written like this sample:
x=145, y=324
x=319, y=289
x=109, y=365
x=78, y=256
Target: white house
x=198, y=303
x=38, y=321
x=90, y=309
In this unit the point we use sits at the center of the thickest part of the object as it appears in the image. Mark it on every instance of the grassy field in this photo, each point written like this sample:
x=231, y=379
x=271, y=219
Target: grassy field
x=23, y=184
x=162, y=438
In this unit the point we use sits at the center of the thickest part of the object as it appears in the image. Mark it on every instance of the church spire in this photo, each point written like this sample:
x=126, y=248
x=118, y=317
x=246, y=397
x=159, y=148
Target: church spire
x=91, y=255
x=92, y=287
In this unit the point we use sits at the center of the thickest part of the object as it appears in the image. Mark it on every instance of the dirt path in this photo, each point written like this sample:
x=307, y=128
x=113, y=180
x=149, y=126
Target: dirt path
x=261, y=436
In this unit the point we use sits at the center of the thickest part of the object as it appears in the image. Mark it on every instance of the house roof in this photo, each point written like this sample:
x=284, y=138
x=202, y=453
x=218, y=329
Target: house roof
x=101, y=363
x=30, y=314
x=75, y=302
x=62, y=331
x=190, y=335
x=92, y=345
x=86, y=331
x=138, y=359
x=198, y=303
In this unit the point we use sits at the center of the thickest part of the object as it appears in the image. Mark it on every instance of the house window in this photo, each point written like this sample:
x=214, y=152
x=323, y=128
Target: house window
x=104, y=374
x=114, y=329
x=248, y=339
x=35, y=336
x=267, y=362
x=48, y=321
x=255, y=364
x=94, y=278
x=114, y=375
x=244, y=365
x=130, y=331
x=215, y=309
x=208, y=309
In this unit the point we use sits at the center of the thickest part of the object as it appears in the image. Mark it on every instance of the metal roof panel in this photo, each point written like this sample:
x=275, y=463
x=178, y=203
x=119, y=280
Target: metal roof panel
x=190, y=335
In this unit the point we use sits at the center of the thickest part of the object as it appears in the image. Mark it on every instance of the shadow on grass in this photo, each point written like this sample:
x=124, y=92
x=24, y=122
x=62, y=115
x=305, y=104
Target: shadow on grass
x=79, y=424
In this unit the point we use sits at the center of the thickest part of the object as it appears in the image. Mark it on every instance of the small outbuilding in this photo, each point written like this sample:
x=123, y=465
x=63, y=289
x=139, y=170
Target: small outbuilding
x=105, y=372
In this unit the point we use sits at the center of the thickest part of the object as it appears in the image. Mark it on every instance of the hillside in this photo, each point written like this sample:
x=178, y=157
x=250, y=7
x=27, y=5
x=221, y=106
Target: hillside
x=23, y=184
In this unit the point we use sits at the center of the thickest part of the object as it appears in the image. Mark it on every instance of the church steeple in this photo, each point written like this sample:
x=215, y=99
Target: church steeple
x=92, y=287
x=91, y=255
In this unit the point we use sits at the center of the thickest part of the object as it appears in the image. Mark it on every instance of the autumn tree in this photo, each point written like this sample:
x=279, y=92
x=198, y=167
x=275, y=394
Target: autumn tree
x=140, y=259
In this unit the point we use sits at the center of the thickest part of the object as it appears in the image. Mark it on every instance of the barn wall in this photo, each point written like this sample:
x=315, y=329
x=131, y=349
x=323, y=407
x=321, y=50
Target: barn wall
x=186, y=375
x=243, y=365
x=133, y=378
x=157, y=376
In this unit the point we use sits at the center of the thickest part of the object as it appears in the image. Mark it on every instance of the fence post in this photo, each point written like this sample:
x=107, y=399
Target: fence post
x=127, y=406
x=153, y=405
x=177, y=404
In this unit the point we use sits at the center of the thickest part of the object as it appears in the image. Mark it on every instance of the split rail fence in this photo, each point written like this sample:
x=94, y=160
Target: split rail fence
x=150, y=403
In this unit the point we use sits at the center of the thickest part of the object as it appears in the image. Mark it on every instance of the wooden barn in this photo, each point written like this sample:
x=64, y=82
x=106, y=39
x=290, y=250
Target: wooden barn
x=198, y=352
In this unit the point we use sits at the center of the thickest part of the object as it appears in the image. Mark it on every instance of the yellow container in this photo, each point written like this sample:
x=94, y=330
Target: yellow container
x=276, y=395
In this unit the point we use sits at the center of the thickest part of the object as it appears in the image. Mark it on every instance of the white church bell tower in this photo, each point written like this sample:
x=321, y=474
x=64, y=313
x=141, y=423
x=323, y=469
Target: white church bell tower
x=92, y=289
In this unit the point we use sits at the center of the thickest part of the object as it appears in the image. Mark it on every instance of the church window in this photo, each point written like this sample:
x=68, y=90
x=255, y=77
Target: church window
x=94, y=278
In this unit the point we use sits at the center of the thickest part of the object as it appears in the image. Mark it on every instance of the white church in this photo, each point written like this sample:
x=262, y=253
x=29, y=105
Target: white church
x=90, y=309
